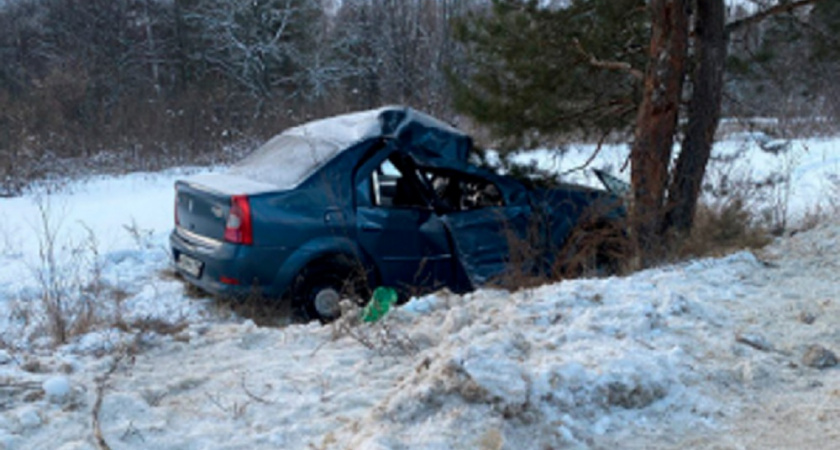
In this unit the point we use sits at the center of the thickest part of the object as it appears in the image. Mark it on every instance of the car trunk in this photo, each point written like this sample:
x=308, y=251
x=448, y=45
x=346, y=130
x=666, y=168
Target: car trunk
x=203, y=202
x=201, y=211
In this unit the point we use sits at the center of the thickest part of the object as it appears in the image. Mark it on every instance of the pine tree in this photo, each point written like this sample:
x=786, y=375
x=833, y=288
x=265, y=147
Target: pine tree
x=537, y=71
x=543, y=70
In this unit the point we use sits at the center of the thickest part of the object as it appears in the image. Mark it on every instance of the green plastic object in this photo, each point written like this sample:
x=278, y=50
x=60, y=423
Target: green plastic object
x=379, y=305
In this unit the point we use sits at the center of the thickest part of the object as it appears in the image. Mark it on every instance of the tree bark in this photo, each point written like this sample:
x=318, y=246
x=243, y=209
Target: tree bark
x=656, y=123
x=710, y=45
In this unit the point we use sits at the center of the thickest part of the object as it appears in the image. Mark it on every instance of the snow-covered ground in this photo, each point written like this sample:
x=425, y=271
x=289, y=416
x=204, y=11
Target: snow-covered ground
x=710, y=353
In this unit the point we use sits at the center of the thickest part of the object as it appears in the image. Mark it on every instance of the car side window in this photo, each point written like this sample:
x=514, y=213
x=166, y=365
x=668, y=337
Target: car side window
x=393, y=189
x=384, y=182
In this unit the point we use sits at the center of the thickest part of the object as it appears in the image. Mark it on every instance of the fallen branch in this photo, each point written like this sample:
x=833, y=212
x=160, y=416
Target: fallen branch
x=100, y=392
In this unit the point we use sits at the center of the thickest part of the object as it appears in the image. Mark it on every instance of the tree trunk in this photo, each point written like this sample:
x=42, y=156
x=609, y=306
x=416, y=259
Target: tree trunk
x=710, y=46
x=656, y=123
x=151, y=51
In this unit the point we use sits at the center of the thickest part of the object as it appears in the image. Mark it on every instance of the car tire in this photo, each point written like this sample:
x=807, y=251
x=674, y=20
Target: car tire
x=320, y=287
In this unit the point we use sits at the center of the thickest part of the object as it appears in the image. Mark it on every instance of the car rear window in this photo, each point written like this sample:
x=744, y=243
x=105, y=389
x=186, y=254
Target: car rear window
x=286, y=160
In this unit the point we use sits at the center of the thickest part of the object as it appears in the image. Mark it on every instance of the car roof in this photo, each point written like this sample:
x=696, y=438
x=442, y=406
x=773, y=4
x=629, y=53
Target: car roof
x=389, y=121
x=304, y=149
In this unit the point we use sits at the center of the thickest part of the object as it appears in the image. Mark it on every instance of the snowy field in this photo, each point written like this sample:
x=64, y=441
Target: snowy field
x=712, y=353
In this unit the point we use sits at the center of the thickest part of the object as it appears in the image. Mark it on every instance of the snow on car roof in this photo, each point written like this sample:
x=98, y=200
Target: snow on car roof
x=302, y=150
x=285, y=161
x=350, y=128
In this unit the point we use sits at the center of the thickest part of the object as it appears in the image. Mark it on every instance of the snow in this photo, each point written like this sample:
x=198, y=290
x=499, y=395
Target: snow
x=56, y=389
x=300, y=151
x=704, y=353
x=300, y=156
x=345, y=130
x=226, y=184
x=348, y=129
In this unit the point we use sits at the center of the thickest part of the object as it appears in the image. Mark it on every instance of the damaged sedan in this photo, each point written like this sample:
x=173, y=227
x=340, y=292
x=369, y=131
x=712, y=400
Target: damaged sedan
x=333, y=208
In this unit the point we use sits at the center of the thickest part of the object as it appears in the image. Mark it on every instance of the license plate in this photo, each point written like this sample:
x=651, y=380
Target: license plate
x=189, y=265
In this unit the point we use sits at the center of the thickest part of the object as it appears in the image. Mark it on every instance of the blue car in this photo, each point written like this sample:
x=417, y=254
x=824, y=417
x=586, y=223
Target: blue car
x=333, y=208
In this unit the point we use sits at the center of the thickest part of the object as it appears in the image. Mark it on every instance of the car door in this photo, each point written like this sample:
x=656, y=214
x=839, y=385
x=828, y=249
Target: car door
x=487, y=222
x=399, y=229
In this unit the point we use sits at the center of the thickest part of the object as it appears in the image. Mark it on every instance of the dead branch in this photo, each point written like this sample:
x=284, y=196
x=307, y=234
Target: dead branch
x=253, y=396
x=609, y=65
x=100, y=392
x=784, y=7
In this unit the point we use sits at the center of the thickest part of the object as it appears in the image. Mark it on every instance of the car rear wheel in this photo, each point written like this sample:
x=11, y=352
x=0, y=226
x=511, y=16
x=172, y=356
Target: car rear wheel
x=322, y=285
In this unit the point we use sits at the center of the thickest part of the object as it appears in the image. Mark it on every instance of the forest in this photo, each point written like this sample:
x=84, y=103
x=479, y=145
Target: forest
x=115, y=85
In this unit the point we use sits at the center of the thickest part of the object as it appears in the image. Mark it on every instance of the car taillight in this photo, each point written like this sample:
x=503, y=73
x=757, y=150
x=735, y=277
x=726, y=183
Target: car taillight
x=238, y=228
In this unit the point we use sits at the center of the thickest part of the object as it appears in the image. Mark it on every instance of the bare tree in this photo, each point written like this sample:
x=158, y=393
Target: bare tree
x=258, y=45
x=399, y=50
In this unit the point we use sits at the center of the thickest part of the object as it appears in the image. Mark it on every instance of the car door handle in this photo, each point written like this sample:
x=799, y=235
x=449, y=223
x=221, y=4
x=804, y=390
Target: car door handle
x=372, y=227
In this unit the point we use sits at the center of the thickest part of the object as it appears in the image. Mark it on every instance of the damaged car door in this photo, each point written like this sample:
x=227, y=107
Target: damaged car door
x=488, y=219
x=399, y=229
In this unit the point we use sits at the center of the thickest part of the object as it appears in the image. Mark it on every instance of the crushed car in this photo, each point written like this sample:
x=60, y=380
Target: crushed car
x=333, y=208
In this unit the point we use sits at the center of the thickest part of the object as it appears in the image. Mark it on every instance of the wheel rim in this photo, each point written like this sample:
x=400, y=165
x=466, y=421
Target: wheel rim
x=326, y=302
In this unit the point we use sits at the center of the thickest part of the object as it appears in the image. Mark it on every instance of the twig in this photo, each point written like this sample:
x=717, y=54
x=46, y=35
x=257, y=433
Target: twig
x=645, y=344
x=251, y=395
x=626, y=163
x=216, y=402
x=591, y=158
x=609, y=65
x=131, y=431
x=315, y=351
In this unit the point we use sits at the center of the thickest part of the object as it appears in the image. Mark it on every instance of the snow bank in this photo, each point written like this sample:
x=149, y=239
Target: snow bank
x=660, y=355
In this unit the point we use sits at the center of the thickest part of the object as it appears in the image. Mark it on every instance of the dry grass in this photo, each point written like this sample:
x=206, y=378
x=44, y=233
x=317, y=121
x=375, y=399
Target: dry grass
x=72, y=296
x=383, y=337
x=721, y=230
x=596, y=248
x=263, y=311
x=525, y=265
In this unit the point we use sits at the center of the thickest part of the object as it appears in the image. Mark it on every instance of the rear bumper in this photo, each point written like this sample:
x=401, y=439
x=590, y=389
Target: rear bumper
x=227, y=270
